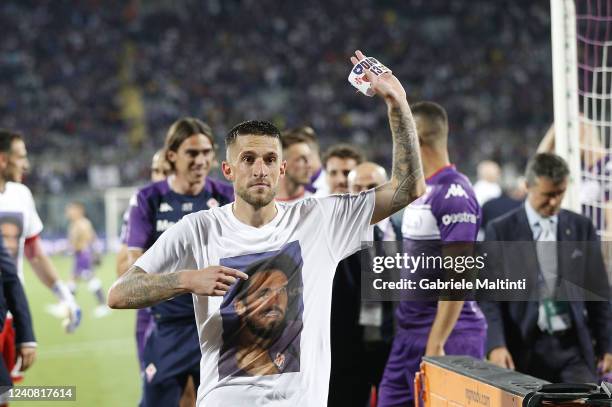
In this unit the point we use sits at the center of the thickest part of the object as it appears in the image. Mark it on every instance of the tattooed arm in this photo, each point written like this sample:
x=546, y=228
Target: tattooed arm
x=139, y=289
x=407, y=182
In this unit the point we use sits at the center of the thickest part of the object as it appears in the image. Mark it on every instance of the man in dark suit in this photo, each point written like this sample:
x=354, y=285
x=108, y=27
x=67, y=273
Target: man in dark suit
x=559, y=341
x=361, y=332
x=509, y=200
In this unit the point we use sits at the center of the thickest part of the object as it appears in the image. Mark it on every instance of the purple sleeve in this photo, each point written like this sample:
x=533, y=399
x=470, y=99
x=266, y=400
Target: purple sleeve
x=140, y=224
x=457, y=215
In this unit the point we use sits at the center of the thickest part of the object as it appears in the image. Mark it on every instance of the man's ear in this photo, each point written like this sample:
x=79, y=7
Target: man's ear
x=226, y=169
x=171, y=156
x=283, y=168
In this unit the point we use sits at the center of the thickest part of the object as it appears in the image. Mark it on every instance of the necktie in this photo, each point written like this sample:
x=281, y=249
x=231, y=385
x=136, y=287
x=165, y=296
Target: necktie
x=546, y=249
x=553, y=315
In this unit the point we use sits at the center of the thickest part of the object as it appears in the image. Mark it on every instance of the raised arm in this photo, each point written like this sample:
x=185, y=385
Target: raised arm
x=407, y=182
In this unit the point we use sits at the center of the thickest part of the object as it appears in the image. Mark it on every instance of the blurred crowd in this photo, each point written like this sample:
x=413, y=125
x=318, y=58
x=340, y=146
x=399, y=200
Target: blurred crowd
x=97, y=83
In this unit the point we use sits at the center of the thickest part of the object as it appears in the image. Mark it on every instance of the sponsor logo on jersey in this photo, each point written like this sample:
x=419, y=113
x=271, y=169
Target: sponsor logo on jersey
x=187, y=207
x=163, y=224
x=456, y=191
x=462, y=217
x=164, y=207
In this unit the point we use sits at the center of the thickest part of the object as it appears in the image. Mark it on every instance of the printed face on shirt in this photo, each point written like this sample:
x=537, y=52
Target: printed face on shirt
x=11, y=229
x=18, y=163
x=337, y=170
x=264, y=307
x=298, y=164
x=545, y=196
x=254, y=167
x=193, y=159
x=262, y=316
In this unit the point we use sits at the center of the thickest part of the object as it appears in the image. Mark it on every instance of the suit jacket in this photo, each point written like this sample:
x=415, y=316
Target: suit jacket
x=497, y=207
x=13, y=298
x=514, y=324
x=346, y=333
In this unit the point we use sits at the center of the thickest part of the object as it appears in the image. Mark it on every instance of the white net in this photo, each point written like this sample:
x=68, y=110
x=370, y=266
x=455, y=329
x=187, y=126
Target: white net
x=582, y=61
x=116, y=202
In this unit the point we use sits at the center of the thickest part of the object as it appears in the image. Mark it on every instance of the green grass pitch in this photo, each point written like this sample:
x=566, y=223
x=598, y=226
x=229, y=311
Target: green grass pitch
x=99, y=358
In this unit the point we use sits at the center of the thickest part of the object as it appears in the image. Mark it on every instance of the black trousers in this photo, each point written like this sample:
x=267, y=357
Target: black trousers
x=354, y=373
x=557, y=358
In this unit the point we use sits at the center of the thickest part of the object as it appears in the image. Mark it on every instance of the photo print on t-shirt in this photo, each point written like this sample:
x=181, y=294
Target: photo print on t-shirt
x=11, y=227
x=262, y=316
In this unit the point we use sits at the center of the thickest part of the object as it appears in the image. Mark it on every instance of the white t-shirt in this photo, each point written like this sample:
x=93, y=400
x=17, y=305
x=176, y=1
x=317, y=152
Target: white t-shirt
x=19, y=220
x=320, y=184
x=305, y=240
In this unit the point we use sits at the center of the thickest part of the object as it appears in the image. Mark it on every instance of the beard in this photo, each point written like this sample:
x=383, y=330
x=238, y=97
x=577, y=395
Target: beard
x=257, y=200
x=298, y=180
x=266, y=333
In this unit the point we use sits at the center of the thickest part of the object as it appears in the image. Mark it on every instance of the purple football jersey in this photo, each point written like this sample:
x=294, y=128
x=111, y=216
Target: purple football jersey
x=447, y=212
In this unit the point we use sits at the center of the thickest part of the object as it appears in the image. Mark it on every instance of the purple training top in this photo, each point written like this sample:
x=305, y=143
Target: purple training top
x=447, y=212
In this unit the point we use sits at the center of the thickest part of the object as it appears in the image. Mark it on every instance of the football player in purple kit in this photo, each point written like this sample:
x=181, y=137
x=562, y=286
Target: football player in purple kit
x=190, y=151
x=448, y=212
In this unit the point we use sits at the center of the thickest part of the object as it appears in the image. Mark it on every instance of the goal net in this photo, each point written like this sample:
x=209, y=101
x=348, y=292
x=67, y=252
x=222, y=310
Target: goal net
x=116, y=202
x=582, y=77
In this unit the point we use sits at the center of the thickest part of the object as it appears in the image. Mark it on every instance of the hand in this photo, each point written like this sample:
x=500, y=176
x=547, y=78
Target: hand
x=73, y=320
x=501, y=357
x=386, y=85
x=28, y=356
x=211, y=281
x=605, y=364
x=434, y=349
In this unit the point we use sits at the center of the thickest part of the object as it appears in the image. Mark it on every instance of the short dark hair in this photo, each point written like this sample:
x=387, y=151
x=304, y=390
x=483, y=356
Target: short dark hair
x=253, y=128
x=289, y=139
x=546, y=165
x=437, y=119
x=6, y=139
x=12, y=220
x=343, y=151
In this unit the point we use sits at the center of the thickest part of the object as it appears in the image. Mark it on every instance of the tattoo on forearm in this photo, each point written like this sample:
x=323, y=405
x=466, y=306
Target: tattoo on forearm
x=407, y=169
x=139, y=289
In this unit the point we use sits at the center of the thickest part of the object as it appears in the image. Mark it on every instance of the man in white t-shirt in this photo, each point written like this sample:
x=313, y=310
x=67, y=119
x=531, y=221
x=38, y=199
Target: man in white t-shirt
x=21, y=226
x=207, y=254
